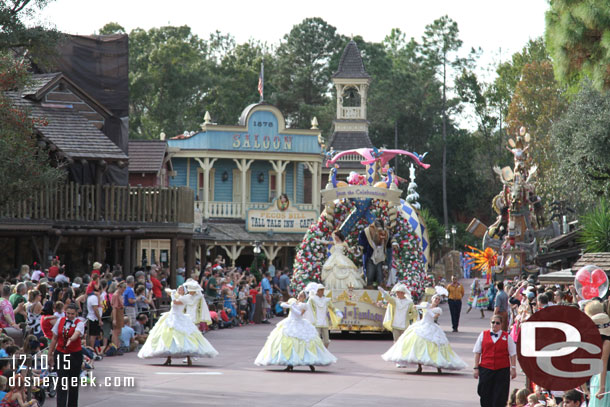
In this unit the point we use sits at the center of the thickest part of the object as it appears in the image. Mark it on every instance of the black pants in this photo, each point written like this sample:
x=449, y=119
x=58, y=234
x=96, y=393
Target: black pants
x=494, y=386
x=68, y=365
x=455, y=307
x=374, y=272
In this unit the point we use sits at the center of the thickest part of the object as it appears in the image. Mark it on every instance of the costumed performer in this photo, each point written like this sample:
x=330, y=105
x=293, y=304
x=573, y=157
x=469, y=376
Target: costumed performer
x=294, y=341
x=373, y=240
x=339, y=272
x=195, y=306
x=175, y=335
x=319, y=306
x=425, y=343
x=478, y=298
x=400, y=312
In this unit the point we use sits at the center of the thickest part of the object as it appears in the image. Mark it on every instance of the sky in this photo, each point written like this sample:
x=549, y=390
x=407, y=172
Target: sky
x=489, y=24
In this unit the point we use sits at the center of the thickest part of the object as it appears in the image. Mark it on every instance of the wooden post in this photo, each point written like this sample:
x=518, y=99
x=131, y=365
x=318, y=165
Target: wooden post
x=98, y=250
x=190, y=256
x=127, y=254
x=44, y=256
x=17, y=259
x=173, y=262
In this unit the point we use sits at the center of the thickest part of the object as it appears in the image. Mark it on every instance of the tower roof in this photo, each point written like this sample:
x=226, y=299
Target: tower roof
x=351, y=65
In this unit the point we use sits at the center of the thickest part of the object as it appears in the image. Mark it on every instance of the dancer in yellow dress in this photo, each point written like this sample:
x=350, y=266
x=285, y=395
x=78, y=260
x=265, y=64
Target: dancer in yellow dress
x=425, y=343
x=175, y=335
x=294, y=341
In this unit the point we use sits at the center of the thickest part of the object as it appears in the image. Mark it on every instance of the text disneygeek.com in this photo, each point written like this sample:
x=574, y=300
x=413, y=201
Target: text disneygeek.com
x=64, y=383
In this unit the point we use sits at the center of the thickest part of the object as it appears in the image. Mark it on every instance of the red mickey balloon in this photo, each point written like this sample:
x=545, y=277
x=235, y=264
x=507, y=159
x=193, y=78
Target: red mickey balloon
x=598, y=277
x=591, y=281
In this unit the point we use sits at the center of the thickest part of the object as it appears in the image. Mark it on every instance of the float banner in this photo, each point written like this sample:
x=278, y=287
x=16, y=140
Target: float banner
x=361, y=192
x=290, y=220
x=359, y=308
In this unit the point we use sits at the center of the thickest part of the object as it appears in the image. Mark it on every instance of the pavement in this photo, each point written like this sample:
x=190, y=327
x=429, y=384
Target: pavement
x=359, y=378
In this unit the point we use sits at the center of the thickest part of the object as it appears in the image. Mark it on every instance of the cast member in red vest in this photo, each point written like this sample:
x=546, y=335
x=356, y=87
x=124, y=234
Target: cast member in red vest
x=495, y=363
x=67, y=334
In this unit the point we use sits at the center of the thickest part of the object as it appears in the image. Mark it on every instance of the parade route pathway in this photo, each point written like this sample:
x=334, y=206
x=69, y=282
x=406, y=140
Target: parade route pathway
x=359, y=378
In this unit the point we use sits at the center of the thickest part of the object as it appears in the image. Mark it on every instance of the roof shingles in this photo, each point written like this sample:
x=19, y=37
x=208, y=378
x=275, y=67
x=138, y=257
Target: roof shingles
x=146, y=155
x=71, y=132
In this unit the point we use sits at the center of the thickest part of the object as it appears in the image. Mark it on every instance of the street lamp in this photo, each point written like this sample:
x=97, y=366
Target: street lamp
x=453, y=232
x=447, y=237
x=257, y=248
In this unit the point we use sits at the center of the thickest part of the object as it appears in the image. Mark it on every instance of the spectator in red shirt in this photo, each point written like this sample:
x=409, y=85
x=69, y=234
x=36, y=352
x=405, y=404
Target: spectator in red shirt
x=54, y=269
x=157, y=289
x=252, y=296
x=96, y=268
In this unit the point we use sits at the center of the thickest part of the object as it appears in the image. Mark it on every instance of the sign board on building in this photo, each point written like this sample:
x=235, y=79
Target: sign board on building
x=280, y=219
x=361, y=192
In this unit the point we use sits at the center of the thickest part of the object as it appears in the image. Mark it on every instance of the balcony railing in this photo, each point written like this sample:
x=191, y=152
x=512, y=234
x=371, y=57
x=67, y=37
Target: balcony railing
x=351, y=113
x=110, y=203
x=218, y=209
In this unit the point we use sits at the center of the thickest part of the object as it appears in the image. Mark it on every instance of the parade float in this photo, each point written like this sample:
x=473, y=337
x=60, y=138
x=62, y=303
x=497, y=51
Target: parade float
x=351, y=206
x=519, y=226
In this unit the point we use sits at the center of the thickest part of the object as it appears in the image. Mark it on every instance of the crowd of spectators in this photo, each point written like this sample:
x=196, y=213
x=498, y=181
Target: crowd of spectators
x=524, y=297
x=119, y=310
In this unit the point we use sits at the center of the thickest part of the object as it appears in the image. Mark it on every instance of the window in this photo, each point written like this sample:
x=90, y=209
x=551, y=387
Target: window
x=273, y=184
x=200, y=186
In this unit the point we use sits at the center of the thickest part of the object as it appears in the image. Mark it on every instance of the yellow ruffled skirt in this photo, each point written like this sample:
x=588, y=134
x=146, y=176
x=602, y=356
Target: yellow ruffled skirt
x=424, y=344
x=284, y=350
x=176, y=335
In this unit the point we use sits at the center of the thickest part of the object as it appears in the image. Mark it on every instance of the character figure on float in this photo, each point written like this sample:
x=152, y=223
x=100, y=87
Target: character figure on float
x=374, y=242
x=339, y=272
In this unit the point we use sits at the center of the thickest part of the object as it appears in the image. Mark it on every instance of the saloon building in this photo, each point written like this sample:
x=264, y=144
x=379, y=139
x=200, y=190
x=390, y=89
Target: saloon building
x=256, y=184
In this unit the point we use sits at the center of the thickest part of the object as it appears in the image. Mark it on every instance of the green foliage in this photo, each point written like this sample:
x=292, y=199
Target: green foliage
x=582, y=142
x=24, y=166
x=304, y=64
x=436, y=231
x=595, y=234
x=112, y=28
x=35, y=41
x=578, y=37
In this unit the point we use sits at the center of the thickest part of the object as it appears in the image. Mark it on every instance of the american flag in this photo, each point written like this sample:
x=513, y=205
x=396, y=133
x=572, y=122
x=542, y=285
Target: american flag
x=261, y=80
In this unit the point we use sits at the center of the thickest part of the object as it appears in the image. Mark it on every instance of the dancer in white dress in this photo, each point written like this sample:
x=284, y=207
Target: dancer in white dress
x=425, y=343
x=175, y=335
x=339, y=272
x=294, y=341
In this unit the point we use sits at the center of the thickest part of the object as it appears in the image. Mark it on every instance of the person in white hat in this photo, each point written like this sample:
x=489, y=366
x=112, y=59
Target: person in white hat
x=319, y=304
x=294, y=341
x=196, y=307
x=600, y=382
x=175, y=335
x=400, y=312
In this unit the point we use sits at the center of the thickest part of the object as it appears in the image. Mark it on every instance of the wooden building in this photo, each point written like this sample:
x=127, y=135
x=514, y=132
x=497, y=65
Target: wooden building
x=88, y=218
x=256, y=184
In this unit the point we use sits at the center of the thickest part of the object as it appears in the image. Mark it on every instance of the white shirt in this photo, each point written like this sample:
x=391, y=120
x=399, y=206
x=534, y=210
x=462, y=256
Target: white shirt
x=61, y=278
x=59, y=314
x=92, y=304
x=319, y=306
x=80, y=326
x=512, y=348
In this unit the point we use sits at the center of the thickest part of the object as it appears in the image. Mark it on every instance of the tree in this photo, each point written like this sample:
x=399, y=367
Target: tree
x=578, y=36
x=112, y=28
x=582, y=142
x=36, y=43
x=441, y=43
x=305, y=61
x=537, y=103
x=595, y=233
x=169, y=75
x=24, y=165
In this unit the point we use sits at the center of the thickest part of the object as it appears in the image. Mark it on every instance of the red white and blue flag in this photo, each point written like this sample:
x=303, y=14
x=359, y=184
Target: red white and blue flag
x=261, y=81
